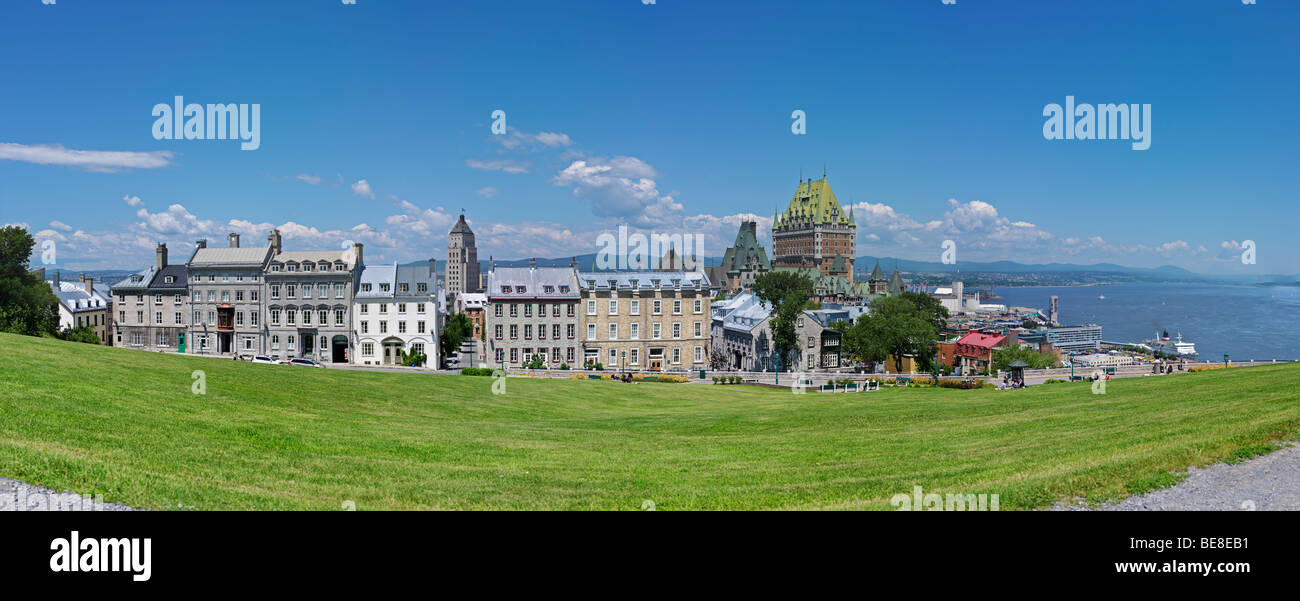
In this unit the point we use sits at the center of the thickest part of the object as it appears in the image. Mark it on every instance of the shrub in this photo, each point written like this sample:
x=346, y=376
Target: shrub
x=564, y=366
x=961, y=384
x=476, y=371
x=1207, y=367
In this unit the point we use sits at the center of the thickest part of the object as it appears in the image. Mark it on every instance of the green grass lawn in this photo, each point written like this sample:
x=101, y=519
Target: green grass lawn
x=126, y=424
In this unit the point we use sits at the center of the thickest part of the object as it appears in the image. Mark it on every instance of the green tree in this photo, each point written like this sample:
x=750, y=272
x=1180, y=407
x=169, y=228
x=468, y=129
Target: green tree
x=895, y=326
x=930, y=307
x=786, y=292
x=27, y=305
x=1005, y=356
x=459, y=328
x=81, y=334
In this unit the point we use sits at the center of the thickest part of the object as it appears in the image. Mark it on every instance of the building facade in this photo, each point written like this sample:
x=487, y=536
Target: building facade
x=225, y=289
x=472, y=304
x=462, y=260
x=744, y=261
x=80, y=304
x=153, y=307
x=397, y=309
x=308, y=298
x=532, y=312
x=645, y=321
x=814, y=232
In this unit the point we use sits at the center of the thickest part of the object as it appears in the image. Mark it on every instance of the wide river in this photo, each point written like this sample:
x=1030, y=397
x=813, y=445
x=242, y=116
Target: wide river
x=1245, y=322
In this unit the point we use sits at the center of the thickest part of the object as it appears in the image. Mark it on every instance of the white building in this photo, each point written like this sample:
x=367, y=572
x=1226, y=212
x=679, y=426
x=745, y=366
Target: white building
x=1102, y=360
x=396, y=308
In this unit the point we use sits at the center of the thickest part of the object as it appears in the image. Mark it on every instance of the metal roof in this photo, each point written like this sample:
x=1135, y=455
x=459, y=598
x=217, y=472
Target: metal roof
x=557, y=283
x=642, y=280
x=252, y=256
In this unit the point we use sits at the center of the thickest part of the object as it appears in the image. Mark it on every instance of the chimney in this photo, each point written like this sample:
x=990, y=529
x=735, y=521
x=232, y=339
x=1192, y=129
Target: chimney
x=161, y=255
x=532, y=263
x=89, y=283
x=201, y=243
x=234, y=240
x=273, y=239
x=574, y=263
x=356, y=250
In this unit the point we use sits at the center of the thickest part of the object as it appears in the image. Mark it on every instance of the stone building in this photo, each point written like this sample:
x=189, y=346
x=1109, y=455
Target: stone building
x=814, y=232
x=153, y=307
x=309, y=302
x=744, y=261
x=81, y=304
x=532, y=311
x=225, y=287
x=462, y=261
x=645, y=321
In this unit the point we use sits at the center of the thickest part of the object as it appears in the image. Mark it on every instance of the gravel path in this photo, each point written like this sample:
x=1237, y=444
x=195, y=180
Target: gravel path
x=1266, y=483
x=20, y=496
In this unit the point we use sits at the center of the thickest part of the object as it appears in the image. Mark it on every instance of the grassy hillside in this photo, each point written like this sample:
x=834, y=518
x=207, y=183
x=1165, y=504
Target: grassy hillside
x=125, y=424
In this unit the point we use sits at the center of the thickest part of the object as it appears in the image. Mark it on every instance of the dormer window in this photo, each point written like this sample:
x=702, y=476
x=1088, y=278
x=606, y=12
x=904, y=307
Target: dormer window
x=365, y=287
x=549, y=289
x=403, y=287
x=291, y=267
x=564, y=289
x=421, y=287
x=324, y=266
x=275, y=267
x=520, y=289
x=383, y=287
x=306, y=267
x=170, y=279
x=505, y=290
x=339, y=266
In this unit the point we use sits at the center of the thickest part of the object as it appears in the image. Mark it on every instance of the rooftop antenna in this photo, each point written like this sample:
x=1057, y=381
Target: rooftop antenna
x=823, y=169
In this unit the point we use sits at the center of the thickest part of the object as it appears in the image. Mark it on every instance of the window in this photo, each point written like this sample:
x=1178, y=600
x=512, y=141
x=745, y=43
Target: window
x=419, y=327
x=633, y=357
x=514, y=331
x=239, y=318
x=528, y=310
x=613, y=306
x=383, y=327
x=306, y=317
x=497, y=310
x=635, y=332
x=810, y=342
x=275, y=317
x=290, y=316
x=323, y=317
x=591, y=307
x=528, y=332
x=654, y=330
x=157, y=318
x=367, y=349
x=699, y=305
x=290, y=290
x=613, y=331
x=383, y=308
x=636, y=307
x=591, y=331
x=177, y=317
x=613, y=358
x=212, y=296
x=677, y=329
x=339, y=291
x=677, y=355
x=139, y=317
x=365, y=327
x=401, y=327
x=403, y=287
x=555, y=331
x=570, y=331
x=514, y=310
x=401, y=308
x=421, y=287
x=541, y=331
x=161, y=339
x=555, y=354
x=322, y=291
x=275, y=291
x=514, y=355
x=365, y=308
x=339, y=315
x=252, y=318
x=570, y=310
x=291, y=342
x=570, y=355
x=699, y=329
x=498, y=330
x=419, y=308
x=306, y=290
x=699, y=354
x=275, y=343
x=365, y=287
x=677, y=306
x=157, y=299
x=418, y=347
x=657, y=307
x=383, y=287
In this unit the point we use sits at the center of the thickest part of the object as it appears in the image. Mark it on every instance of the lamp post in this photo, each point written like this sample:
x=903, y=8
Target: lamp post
x=1225, y=358
x=622, y=359
x=778, y=369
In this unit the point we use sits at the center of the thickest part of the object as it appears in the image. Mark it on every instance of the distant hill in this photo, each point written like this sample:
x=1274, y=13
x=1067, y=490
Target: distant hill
x=865, y=263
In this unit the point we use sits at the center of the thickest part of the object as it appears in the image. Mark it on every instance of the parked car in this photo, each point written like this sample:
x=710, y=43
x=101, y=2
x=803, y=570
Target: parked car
x=264, y=359
x=305, y=363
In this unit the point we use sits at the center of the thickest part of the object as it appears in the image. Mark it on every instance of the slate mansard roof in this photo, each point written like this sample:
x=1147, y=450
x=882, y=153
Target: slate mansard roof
x=643, y=280
x=523, y=283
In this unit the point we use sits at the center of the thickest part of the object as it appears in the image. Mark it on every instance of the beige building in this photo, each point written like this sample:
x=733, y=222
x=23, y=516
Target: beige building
x=462, y=261
x=645, y=321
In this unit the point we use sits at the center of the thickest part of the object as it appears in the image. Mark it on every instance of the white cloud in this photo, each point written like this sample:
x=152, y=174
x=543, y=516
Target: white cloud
x=507, y=166
x=310, y=179
x=362, y=188
x=61, y=226
x=517, y=140
x=132, y=201
x=621, y=187
x=105, y=161
x=487, y=192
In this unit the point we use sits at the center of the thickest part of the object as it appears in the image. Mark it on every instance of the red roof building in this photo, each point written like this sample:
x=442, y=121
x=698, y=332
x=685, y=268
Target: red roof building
x=974, y=351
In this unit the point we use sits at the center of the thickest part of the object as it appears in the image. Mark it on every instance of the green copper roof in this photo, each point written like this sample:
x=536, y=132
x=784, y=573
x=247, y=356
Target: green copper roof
x=814, y=203
x=876, y=274
x=746, y=251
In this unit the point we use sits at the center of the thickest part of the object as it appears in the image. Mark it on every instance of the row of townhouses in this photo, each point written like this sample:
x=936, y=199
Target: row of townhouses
x=645, y=321
x=263, y=300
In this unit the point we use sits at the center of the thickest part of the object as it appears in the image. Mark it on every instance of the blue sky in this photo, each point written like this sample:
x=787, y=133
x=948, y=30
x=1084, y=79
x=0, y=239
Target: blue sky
x=672, y=117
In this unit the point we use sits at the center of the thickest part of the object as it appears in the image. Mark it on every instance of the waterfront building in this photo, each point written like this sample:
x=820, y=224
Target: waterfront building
x=225, y=288
x=645, y=320
x=533, y=312
x=397, y=309
x=153, y=307
x=81, y=304
x=1102, y=360
x=308, y=302
x=462, y=260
